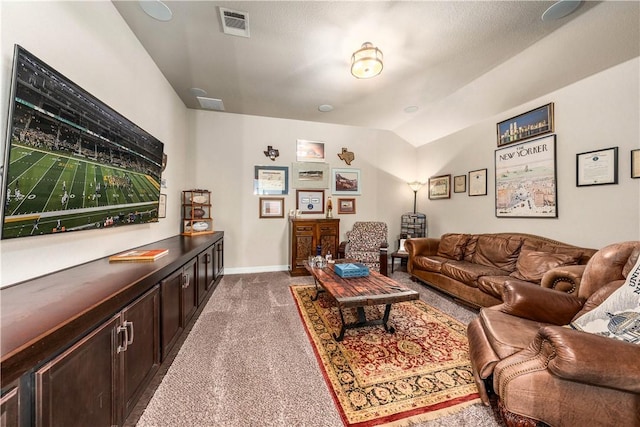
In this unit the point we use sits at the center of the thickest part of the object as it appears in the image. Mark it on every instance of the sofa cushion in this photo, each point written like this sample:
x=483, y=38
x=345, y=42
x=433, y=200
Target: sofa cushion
x=532, y=265
x=470, y=249
x=542, y=246
x=429, y=263
x=452, y=245
x=493, y=285
x=468, y=273
x=497, y=251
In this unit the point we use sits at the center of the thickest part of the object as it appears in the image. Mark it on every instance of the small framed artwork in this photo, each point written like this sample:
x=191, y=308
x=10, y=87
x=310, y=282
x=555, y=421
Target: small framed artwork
x=459, y=183
x=345, y=182
x=271, y=180
x=599, y=167
x=309, y=151
x=310, y=201
x=346, y=206
x=635, y=163
x=271, y=207
x=162, y=206
x=310, y=175
x=478, y=182
x=440, y=187
x=526, y=126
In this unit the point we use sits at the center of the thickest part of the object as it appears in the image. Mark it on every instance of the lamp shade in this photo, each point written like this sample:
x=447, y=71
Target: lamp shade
x=415, y=186
x=366, y=62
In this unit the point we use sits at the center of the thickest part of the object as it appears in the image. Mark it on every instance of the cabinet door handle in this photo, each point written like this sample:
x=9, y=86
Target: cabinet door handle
x=125, y=341
x=207, y=258
x=185, y=284
x=128, y=324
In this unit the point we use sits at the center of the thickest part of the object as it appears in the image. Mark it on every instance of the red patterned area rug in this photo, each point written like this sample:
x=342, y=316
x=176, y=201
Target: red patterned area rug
x=419, y=373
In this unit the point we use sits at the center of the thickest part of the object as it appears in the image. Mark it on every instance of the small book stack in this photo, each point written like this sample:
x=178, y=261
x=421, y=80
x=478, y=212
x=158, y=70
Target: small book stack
x=139, y=255
x=351, y=270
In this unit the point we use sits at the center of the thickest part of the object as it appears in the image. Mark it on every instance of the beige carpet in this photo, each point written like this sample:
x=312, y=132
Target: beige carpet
x=248, y=362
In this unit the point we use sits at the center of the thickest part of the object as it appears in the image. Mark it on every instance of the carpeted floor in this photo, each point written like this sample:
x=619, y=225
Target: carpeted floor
x=248, y=362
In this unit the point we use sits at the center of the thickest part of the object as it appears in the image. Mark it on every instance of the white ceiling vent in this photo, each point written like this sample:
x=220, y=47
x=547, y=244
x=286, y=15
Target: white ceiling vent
x=211, y=103
x=234, y=22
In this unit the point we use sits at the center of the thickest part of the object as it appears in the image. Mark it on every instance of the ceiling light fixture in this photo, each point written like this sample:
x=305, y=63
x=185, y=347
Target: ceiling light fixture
x=156, y=9
x=366, y=62
x=325, y=108
x=560, y=9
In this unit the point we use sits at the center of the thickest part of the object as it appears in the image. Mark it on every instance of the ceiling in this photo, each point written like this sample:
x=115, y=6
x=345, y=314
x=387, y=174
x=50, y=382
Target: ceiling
x=458, y=62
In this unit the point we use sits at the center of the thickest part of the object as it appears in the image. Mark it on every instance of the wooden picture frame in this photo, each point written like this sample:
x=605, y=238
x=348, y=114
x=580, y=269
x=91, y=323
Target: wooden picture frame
x=346, y=206
x=531, y=124
x=271, y=207
x=478, y=182
x=271, y=180
x=635, y=164
x=525, y=176
x=440, y=187
x=310, y=175
x=346, y=182
x=598, y=167
x=310, y=201
x=309, y=151
x=460, y=184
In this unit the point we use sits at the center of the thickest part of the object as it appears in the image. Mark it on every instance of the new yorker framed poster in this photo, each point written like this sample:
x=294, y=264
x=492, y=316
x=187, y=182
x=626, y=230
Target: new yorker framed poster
x=526, y=179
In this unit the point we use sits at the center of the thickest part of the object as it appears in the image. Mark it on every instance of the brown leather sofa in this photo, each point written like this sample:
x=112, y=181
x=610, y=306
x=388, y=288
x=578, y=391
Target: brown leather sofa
x=475, y=267
x=540, y=370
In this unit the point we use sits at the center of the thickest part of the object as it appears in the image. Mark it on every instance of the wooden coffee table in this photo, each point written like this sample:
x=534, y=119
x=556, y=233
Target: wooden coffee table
x=359, y=292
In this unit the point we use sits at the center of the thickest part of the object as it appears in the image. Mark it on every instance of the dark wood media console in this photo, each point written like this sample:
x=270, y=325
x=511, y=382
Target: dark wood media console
x=79, y=346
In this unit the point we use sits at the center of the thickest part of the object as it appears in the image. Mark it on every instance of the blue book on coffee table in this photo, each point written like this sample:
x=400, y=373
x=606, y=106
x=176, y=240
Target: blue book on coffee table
x=351, y=270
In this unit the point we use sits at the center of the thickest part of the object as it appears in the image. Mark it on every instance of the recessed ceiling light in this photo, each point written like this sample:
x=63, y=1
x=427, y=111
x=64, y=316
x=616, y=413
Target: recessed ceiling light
x=560, y=9
x=196, y=91
x=325, y=108
x=411, y=109
x=156, y=9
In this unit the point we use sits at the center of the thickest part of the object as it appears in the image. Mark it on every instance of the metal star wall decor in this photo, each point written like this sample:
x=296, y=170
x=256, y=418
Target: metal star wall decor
x=271, y=152
x=347, y=156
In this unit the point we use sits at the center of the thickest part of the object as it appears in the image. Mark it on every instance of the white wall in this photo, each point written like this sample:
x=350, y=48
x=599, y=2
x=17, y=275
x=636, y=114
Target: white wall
x=598, y=112
x=90, y=43
x=230, y=145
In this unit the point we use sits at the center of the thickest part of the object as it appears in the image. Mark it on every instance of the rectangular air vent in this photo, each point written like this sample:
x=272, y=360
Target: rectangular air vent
x=210, y=103
x=234, y=22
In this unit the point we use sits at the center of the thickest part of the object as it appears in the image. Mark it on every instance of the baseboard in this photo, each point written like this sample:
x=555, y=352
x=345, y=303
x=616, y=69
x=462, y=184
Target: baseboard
x=259, y=269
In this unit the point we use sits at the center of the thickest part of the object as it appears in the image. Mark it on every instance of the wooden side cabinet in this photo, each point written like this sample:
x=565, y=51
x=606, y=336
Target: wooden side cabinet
x=96, y=381
x=305, y=235
x=179, y=303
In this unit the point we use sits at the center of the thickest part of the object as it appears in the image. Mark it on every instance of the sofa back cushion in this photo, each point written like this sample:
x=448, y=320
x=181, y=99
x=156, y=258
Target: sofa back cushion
x=497, y=251
x=532, y=265
x=452, y=245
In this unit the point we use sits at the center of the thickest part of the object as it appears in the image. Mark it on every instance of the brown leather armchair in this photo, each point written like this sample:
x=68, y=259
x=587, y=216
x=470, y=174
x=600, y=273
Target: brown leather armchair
x=540, y=370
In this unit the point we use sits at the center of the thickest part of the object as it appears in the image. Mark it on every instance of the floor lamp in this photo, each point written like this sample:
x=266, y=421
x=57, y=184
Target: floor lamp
x=415, y=186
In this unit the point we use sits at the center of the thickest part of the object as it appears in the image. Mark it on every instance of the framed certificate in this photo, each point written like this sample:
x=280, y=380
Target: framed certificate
x=598, y=167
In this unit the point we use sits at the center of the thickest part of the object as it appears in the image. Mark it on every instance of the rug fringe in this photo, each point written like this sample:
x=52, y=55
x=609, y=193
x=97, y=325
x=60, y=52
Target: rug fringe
x=429, y=416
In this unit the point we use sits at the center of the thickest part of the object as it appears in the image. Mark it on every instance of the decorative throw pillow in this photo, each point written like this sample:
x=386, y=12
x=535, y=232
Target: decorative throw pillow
x=532, y=265
x=619, y=315
x=452, y=246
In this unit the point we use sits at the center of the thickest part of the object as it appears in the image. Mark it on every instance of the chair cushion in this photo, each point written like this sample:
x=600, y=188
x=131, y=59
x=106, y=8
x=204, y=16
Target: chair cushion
x=508, y=334
x=493, y=285
x=452, y=245
x=532, y=265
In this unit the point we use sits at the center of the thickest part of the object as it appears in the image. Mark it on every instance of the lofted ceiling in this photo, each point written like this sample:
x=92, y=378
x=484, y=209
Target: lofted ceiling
x=458, y=62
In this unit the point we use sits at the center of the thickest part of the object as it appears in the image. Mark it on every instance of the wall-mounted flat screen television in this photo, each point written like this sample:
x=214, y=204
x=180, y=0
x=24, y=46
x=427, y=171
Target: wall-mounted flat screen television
x=71, y=162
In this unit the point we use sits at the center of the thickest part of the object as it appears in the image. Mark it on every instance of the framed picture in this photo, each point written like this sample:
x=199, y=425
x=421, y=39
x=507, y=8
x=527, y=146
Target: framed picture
x=526, y=126
x=526, y=179
x=162, y=206
x=345, y=182
x=309, y=151
x=440, y=187
x=459, y=183
x=598, y=167
x=310, y=175
x=635, y=163
x=271, y=207
x=346, y=206
x=478, y=182
x=310, y=201
x=271, y=180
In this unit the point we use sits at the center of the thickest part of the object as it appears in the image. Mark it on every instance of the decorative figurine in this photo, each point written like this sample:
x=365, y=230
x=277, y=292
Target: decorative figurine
x=271, y=152
x=329, y=208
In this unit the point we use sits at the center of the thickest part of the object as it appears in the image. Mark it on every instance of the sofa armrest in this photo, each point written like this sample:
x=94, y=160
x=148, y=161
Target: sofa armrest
x=593, y=359
x=539, y=304
x=422, y=246
x=565, y=279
